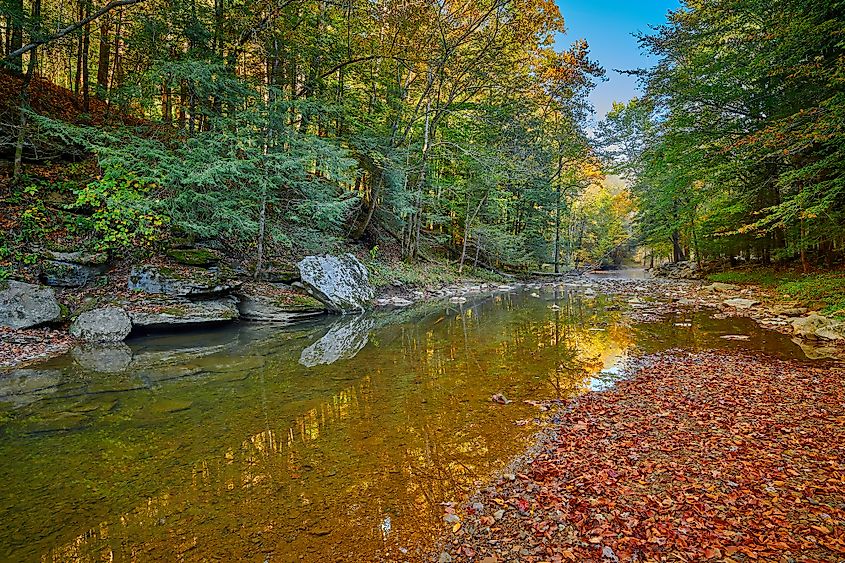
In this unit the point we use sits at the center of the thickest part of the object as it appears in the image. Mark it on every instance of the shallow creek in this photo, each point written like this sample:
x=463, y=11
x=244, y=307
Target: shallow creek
x=332, y=441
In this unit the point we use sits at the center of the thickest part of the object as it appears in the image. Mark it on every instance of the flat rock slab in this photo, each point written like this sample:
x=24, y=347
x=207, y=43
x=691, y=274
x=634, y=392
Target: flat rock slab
x=179, y=313
x=265, y=308
x=741, y=303
x=341, y=282
x=191, y=282
x=25, y=305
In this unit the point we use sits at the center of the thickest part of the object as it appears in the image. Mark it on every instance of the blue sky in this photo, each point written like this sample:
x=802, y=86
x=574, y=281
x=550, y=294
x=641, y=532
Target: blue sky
x=607, y=26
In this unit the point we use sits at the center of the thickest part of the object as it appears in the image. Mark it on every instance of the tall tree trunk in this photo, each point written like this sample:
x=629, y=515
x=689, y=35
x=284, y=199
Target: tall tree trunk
x=262, y=220
x=86, y=44
x=557, y=229
x=677, y=250
x=183, y=94
x=16, y=35
x=24, y=100
x=77, y=79
x=103, y=59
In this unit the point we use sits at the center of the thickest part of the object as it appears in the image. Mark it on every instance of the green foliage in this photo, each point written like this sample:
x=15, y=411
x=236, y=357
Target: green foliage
x=825, y=291
x=123, y=215
x=384, y=273
x=739, y=145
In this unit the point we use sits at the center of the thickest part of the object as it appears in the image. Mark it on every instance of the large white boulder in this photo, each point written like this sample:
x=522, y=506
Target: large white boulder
x=341, y=282
x=107, y=324
x=24, y=305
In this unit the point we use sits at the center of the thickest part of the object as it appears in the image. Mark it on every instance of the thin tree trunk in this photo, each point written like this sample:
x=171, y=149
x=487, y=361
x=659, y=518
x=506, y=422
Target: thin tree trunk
x=24, y=101
x=103, y=59
x=16, y=39
x=86, y=44
x=557, y=231
x=262, y=217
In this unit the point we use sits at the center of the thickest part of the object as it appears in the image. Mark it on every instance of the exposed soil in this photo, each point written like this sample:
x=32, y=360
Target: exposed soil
x=712, y=456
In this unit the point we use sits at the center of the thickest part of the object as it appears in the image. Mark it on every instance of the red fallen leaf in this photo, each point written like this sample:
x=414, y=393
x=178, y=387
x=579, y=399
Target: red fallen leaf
x=712, y=552
x=522, y=504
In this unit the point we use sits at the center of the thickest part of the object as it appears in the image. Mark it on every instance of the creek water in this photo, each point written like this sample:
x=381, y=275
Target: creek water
x=331, y=441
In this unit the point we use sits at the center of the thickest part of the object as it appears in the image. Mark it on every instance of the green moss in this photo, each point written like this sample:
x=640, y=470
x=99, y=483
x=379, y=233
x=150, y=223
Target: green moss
x=194, y=256
x=174, y=311
x=298, y=302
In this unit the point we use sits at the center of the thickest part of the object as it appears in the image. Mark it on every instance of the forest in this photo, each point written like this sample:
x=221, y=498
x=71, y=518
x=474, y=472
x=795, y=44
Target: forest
x=399, y=281
x=455, y=130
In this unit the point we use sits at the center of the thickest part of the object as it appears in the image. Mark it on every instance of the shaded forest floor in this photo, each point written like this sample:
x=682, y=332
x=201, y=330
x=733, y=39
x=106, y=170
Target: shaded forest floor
x=698, y=457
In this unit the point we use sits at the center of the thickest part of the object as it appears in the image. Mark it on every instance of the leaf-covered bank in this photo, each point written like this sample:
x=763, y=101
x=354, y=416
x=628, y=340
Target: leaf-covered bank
x=707, y=456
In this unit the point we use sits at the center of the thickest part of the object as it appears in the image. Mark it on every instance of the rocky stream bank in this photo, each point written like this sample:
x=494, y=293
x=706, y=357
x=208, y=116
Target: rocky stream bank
x=194, y=290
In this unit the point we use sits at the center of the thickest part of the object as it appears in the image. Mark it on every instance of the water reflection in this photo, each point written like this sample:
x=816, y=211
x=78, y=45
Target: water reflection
x=328, y=442
x=344, y=339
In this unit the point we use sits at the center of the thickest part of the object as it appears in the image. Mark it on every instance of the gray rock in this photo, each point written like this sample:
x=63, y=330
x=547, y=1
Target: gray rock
x=194, y=256
x=197, y=282
x=677, y=270
x=834, y=331
x=72, y=269
x=107, y=324
x=84, y=258
x=68, y=274
x=741, y=303
x=341, y=282
x=111, y=357
x=24, y=305
x=182, y=312
x=718, y=286
x=278, y=275
x=343, y=341
x=263, y=308
x=815, y=326
x=788, y=310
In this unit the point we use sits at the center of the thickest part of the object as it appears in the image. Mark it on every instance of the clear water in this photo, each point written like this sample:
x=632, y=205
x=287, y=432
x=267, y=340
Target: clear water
x=333, y=441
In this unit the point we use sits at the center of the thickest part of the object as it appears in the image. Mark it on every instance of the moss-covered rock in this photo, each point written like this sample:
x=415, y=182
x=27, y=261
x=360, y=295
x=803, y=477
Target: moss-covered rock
x=194, y=256
x=186, y=282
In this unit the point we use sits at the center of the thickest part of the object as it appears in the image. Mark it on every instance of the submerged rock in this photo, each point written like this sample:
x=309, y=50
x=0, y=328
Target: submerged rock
x=25, y=305
x=341, y=282
x=107, y=324
x=24, y=386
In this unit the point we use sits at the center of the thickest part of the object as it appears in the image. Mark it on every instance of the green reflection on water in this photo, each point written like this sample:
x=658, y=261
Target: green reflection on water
x=335, y=441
